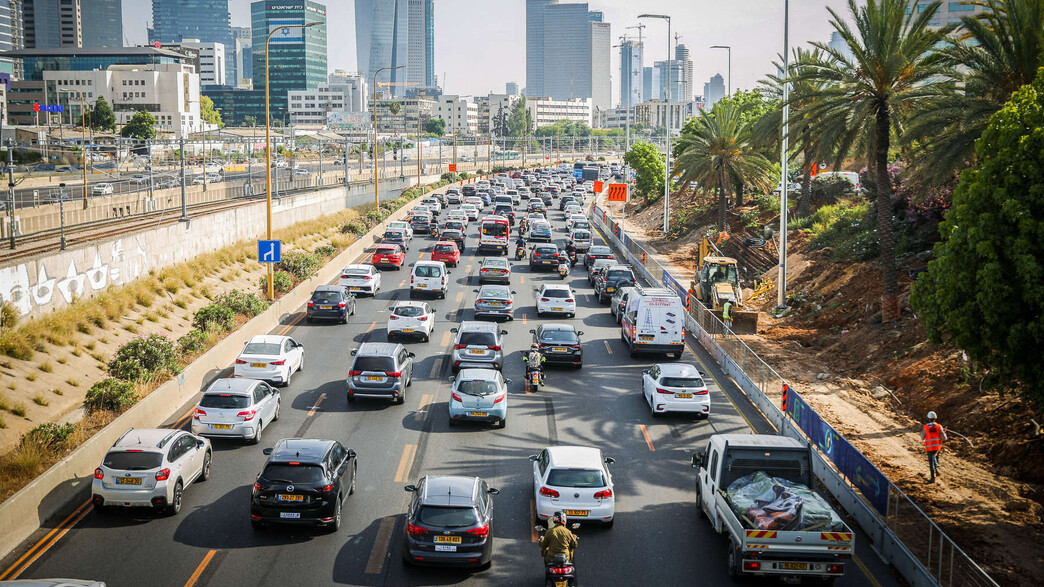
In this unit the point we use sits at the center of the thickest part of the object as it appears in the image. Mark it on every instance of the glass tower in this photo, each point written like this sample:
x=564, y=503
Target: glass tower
x=535, y=46
x=102, y=23
x=206, y=20
x=390, y=33
x=296, y=57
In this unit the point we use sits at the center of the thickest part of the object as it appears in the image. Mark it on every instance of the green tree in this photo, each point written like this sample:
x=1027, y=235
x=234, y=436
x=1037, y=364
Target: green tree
x=520, y=121
x=208, y=113
x=141, y=126
x=395, y=108
x=250, y=121
x=983, y=289
x=101, y=117
x=500, y=122
x=719, y=153
x=870, y=94
x=435, y=126
x=647, y=162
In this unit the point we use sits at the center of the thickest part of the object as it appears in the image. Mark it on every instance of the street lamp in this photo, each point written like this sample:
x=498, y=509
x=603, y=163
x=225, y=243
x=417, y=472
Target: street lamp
x=376, y=170
x=781, y=288
x=268, y=144
x=667, y=155
x=729, y=48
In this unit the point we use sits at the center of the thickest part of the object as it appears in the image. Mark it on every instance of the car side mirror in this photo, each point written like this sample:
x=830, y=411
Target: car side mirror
x=475, y=290
x=575, y=525
x=503, y=331
x=645, y=372
x=199, y=444
x=410, y=488
x=580, y=333
x=354, y=351
x=451, y=378
x=513, y=292
x=609, y=460
x=493, y=491
x=453, y=330
x=697, y=460
x=531, y=457
x=267, y=451
x=411, y=355
x=532, y=331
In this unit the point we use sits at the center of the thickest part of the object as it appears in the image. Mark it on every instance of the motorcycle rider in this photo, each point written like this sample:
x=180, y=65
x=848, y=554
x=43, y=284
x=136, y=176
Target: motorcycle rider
x=571, y=253
x=558, y=540
x=520, y=245
x=534, y=362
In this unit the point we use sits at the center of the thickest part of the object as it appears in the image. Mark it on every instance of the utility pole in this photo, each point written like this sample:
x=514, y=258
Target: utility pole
x=781, y=287
x=10, y=190
x=420, y=147
x=184, y=205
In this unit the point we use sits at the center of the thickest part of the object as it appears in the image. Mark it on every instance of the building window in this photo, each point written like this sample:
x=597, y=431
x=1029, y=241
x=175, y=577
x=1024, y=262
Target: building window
x=961, y=7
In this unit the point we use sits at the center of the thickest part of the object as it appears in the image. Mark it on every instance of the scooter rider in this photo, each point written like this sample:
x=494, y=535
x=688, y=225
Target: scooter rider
x=535, y=361
x=558, y=540
x=520, y=245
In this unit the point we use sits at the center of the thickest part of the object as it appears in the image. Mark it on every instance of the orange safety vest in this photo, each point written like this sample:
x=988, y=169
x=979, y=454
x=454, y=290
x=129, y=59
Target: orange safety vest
x=932, y=437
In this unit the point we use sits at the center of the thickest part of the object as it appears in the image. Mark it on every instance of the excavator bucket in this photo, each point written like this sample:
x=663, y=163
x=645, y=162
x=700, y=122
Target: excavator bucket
x=743, y=322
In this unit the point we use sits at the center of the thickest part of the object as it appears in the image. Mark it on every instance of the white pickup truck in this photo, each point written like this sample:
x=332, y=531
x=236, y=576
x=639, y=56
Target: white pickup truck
x=757, y=490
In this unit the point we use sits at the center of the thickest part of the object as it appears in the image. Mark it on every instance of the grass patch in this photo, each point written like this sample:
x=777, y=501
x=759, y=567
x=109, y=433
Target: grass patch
x=46, y=367
x=76, y=352
x=90, y=346
x=40, y=400
x=31, y=376
x=57, y=391
x=63, y=360
x=4, y=404
x=19, y=409
x=2, y=423
x=72, y=382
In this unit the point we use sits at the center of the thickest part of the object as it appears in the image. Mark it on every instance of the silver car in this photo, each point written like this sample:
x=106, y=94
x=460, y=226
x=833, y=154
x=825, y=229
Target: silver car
x=495, y=269
x=380, y=370
x=478, y=344
x=238, y=408
x=495, y=301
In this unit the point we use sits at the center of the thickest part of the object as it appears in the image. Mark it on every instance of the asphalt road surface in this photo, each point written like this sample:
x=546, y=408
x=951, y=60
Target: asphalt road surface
x=657, y=539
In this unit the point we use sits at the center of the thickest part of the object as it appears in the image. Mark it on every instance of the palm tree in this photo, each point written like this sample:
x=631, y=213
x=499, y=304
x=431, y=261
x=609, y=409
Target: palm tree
x=994, y=54
x=868, y=95
x=719, y=153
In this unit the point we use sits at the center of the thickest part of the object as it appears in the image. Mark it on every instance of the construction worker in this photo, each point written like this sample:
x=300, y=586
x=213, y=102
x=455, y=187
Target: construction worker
x=933, y=435
x=726, y=314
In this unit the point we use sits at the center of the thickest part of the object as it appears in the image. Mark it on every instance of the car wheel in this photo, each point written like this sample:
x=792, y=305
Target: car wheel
x=300, y=366
x=336, y=524
x=609, y=524
x=677, y=356
x=257, y=434
x=101, y=508
x=426, y=338
x=634, y=352
x=502, y=424
x=175, y=502
x=453, y=423
x=401, y=399
x=308, y=320
x=205, y=473
x=257, y=524
x=540, y=314
x=699, y=501
x=355, y=470
x=275, y=417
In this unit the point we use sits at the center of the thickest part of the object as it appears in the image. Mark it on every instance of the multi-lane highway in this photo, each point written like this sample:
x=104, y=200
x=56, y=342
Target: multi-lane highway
x=658, y=539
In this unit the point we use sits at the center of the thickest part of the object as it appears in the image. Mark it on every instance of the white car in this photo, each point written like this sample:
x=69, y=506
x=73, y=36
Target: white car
x=270, y=358
x=102, y=189
x=408, y=319
x=458, y=215
x=471, y=210
x=475, y=201
x=675, y=387
x=571, y=218
x=360, y=278
x=556, y=298
x=402, y=225
x=238, y=408
x=573, y=208
x=574, y=480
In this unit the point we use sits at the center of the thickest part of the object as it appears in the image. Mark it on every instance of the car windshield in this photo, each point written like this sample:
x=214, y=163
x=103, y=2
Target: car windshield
x=224, y=401
x=261, y=348
x=476, y=339
x=446, y=517
x=556, y=293
x=132, y=461
x=454, y=225
x=409, y=311
x=575, y=478
x=445, y=248
x=428, y=271
x=565, y=336
x=326, y=296
x=681, y=382
x=476, y=387
x=394, y=235
x=382, y=364
x=293, y=473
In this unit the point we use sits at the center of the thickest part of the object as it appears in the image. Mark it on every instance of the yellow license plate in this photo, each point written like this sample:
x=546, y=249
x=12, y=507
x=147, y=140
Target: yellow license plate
x=221, y=426
x=578, y=512
x=559, y=349
x=556, y=309
x=325, y=307
x=561, y=583
x=478, y=414
x=373, y=378
x=646, y=337
x=421, y=286
x=355, y=289
x=407, y=330
x=128, y=481
x=447, y=539
x=477, y=352
x=794, y=566
x=683, y=395
x=286, y=497
x=259, y=365
x=495, y=303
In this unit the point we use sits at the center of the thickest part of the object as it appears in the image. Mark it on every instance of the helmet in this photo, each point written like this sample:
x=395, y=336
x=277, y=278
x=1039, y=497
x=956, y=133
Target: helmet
x=534, y=347
x=559, y=518
x=931, y=415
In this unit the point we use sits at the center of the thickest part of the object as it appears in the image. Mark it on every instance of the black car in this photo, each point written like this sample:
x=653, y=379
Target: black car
x=544, y=256
x=615, y=278
x=449, y=522
x=330, y=302
x=560, y=344
x=506, y=211
x=421, y=224
x=304, y=481
x=396, y=237
x=452, y=234
x=595, y=253
x=565, y=200
x=546, y=198
x=468, y=191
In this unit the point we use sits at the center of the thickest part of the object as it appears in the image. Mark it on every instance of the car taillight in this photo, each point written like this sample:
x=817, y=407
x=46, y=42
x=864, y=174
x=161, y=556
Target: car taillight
x=162, y=474
x=393, y=373
x=500, y=399
x=548, y=492
x=354, y=373
x=367, y=277
x=494, y=347
x=660, y=390
x=704, y=392
x=240, y=362
x=456, y=397
x=198, y=413
x=838, y=569
x=413, y=529
x=310, y=303
x=99, y=474
x=604, y=494
x=283, y=362
x=342, y=304
x=545, y=300
x=393, y=317
x=481, y=531
x=751, y=566
x=460, y=346
x=423, y=318
x=568, y=300
x=344, y=276
x=257, y=487
x=325, y=489
x=247, y=415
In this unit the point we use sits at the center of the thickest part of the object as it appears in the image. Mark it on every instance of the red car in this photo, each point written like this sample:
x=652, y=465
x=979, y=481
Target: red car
x=447, y=252
x=388, y=255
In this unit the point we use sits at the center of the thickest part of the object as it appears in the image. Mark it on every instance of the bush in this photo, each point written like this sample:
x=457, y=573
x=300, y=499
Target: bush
x=8, y=315
x=325, y=250
x=299, y=264
x=110, y=395
x=247, y=304
x=192, y=343
x=450, y=176
x=214, y=317
x=50, y=435
x=144, y=357
x=353, y=227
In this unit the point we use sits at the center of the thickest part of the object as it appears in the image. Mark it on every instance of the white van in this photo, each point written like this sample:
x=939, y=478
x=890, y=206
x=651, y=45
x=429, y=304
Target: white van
x=429, y=277
x=654, y=322
x=851, y=176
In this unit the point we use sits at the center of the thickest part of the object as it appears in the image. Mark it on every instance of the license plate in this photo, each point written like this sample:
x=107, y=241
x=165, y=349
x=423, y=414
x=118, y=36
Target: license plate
x=290, y=497
x=683, y=395
x=561, y=583
x=445, y=548
x=577, y=512
x=447, y=539
x=546, y=262
x=794, y=566
x=407, y=330
x=646, y=337
x=495, y=303
x=221, y=426
x=421, y=286
x=290, y=515
x=478, y=414
x=556, y=309
x=325, y=307
x=476, y=352
x=128, y=481
x=354, y=289
x=374, y=378
x=259, y=365
x=559, y=349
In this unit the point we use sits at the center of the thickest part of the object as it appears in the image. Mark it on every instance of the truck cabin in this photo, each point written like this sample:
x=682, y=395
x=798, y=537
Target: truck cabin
x=719, y=270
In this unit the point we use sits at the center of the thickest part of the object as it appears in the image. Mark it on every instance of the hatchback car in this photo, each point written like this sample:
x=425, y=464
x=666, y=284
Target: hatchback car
x=402, y=224
x=239, y=408
x=330, y=302
x=541, y=231
x=269, y=357
x=581, y=239
x=447, y=252
x=471, y=210
x=396, y=236
x=595, y=253
x=360, y=278
x=478, y=344
x=544, y=257
x=304, y=481
x=478, y=395
x=676, y=387
x=150, y=468
x=459, y=215
x=101, y=189
x=494, y=269
x=454, y=235
x=409, y=319
x=449, y=521
x=506, y=211
x=421, y=223
x=554, y=298
x=574, y=480
x=388, y=255
x=560, y=344
x=381, y=370
x=453, y=196
x=571, y=218
x=495, y=301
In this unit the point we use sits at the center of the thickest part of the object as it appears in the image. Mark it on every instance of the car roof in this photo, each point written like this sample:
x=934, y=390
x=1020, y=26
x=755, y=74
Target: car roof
x=408, y=303
x=678, y=370
x=379, y=349
x=269, y=338
x=358, y=266
x=434, y=263
x=600, y=249
x=761, y=440
x=446, y=243
x=311, y=450
x=557, y=326
x=548, y=286
x=575, y=456
x=450, y=490
x=240, y=385
x=145, y=438
x=472, y=374
x=475, y=325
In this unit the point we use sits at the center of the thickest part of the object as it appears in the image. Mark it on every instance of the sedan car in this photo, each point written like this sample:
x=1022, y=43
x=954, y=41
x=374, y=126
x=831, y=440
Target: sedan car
x=411, y=319
x=396, y=236
x=330, y=302
x=478, y=395
x=675, y=387
x=239, y=408
x=457, y=216
x=595, y=253
x=361, y=278
x=556, y=298
x=101, y=189
x=560, y=344
x=447, y=252
x=269, y=357
x=471, y=210
x=494, y=269
x=574, y=480
x=544, y=256
x=495, y=301
x=449, y=521
x=388, y=255
x=304, y=481
x=541, y=231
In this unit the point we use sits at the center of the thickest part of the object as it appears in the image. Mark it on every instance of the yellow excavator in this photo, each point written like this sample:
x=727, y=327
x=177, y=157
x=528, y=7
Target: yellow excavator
x=716, y=281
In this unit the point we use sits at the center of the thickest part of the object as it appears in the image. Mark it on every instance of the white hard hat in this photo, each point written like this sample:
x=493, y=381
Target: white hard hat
x=931, y=415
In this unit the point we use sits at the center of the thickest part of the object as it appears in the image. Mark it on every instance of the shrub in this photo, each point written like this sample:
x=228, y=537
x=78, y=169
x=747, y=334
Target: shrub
x=353, y=227
x=281, y=282
x=192, y=343
x=214, y=317
x=8, y=315
x=110, y=394
x=247, y=304
x=19, y=409
x=49, y=435
x=144, y=357
x=325, y=250
x=299, y=264
x=16, y=345
x=40, y=400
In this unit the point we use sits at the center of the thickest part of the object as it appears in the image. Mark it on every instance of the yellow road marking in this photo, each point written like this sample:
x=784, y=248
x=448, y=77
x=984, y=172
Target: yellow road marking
x=380, y=547
x=460, y=297
x=289, y=326
x=524, y=319
x=46, y=542
x=405, y=462
x=720, y=387
x=311, y=412
x=521, y=278
x=370, y=329
x=446, y=337
x=862, y=567
x=199, y=570
x=648, y=441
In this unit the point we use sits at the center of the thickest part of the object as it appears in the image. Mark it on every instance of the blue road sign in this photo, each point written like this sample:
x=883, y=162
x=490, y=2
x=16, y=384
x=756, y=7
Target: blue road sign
x=269, y=251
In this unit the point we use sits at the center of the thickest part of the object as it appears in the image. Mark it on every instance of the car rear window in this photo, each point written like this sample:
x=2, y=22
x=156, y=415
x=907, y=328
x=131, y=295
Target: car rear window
x=446, y=517
x=558, y=336
x=492, y=262
x=582, y=234
x=445, y=248
x=261, y=348
x=576, y=478
x=547, y=250
x=277, y=473
x=132, y=461
x=600, y=251
x=681, y=382
x=408, y=311
x=373, y=364
x=477, y=338
x=556, y=293
x=394, y=235
x=327, y=296
x=428, y=271
x=476, y=387
x=224, y=401
x=615, y=274
x=494, y=292
x=357, y=272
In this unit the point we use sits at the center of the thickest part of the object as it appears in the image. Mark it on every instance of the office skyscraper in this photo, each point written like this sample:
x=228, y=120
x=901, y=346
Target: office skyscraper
x=297, y=58
x=244, y=52
x=50, y=24
x=651, y=83
x=713, y=90
x=390, y=33
x=535, y=46
x=631, y=73
x=206, y=20
x=102, y=23
x=11, y=36
x=681, y=91
x=574, y=51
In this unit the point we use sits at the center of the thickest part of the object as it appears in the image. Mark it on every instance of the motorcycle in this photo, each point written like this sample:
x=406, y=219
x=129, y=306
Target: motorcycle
x=520, y=253
x=563, y=270
x=572, y=259
x=560, y=572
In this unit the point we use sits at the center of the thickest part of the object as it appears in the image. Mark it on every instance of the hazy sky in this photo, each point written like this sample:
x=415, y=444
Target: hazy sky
x=480, y=44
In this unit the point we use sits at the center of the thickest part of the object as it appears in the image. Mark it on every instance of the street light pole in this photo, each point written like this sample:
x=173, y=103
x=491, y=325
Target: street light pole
x=781, y=288
x=729, y=48
x=667, y=127
x=376, y=171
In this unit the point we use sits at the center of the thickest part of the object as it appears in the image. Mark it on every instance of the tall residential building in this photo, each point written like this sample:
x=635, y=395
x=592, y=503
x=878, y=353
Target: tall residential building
x=681, y=66
x=102, y=22
x=297, y=58
x=244, y=55
x=11, y=36
x=206, y=20
x=575, y=57
x=51, y=24
x=714, y=90
x=948, y=13
x=631, y=73
x=601, y=53
x=393, y=33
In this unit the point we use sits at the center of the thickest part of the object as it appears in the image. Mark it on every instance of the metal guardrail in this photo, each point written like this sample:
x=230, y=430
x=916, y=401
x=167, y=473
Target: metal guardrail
x=906, y=536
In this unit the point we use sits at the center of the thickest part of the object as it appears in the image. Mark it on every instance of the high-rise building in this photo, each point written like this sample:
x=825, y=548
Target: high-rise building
x=948, y=13
x=206, y=20
x=393, y=33
x=102, y=22
x=211, y=61
x=601, y=53
x=535, y=46
x=575, y=56
x=244, y=55
x=51, y=24
x=11, y=36
x=420, y=60
x=631, y=73
x=296, y=57
x=681, y=66
x=511, y=88
x=651, y=83
x=714, y=90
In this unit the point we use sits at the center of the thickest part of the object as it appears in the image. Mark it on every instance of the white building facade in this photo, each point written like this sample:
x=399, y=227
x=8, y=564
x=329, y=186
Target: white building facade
x=461, y=114
x=312, y=107
x=211, y=61
x=546, y=111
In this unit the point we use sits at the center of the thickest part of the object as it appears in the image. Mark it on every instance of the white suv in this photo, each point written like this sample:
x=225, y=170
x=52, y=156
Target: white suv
x=576, y=480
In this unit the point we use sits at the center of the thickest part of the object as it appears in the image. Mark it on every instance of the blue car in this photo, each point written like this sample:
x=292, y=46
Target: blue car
x=478, y=395
x=541, y=232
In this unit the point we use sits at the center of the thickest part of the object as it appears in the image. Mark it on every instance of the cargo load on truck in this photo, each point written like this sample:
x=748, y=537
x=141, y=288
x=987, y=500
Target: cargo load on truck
x=764, y=502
